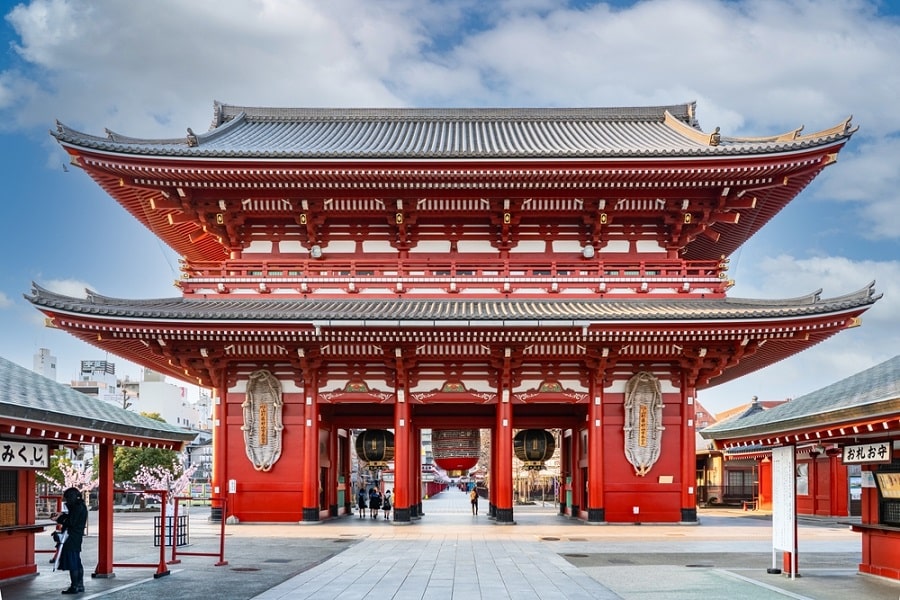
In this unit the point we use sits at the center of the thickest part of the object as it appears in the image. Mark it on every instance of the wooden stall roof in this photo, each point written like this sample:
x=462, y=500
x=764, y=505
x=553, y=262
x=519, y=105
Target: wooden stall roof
x=863, y=405
x=35, y=407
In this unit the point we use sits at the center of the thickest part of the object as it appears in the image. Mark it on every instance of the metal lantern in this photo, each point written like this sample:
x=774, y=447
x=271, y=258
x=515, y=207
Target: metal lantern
x=533, y=447
x=375, y=447
x=456, y=450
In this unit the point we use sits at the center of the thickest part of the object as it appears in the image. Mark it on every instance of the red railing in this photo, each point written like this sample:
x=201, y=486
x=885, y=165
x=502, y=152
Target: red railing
x=304, y=276
x=220, y=554
x=160, y=566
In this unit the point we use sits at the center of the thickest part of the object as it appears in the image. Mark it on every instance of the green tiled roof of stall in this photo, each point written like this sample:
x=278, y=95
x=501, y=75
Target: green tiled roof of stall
x=870, y=392
x=26, y=395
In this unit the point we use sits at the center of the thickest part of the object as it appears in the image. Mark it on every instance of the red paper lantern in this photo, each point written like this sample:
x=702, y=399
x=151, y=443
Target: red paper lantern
x=456, y=450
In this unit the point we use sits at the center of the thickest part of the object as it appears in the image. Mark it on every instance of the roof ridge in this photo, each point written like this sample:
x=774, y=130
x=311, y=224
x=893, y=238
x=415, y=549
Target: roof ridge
x=225, y=112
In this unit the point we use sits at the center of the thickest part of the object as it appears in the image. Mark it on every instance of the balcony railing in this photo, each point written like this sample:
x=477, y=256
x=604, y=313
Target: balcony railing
x=478, y=276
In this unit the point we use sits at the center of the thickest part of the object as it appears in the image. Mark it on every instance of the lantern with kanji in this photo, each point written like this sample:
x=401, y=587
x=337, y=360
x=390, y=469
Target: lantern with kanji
x=375, y=447
x=533, y=447
x=456, y=450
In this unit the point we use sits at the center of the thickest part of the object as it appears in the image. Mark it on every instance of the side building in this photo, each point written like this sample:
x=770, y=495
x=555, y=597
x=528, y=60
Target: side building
x=39, y=416
x=850, y=424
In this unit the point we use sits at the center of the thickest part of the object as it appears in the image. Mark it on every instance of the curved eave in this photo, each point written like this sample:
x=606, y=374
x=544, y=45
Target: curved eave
x=726, y=238
x=772, y=180
x=117, y=325
x=585, y=313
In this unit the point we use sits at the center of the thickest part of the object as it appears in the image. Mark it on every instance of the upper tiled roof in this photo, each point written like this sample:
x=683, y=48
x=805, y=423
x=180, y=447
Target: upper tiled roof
x=359, y=309
x=409, y=133
x=863, y=391
x=26, y=395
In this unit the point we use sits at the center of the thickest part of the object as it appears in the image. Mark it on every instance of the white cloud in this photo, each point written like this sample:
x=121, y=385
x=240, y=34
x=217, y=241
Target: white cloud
x=748, y=60
x=756, y=67
x=5, y=301
x=844, y=354
x=869, y=178
x=67, y=287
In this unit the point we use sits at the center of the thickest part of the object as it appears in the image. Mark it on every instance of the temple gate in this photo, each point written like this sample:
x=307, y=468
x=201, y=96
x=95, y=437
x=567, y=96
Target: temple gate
x=500, y=269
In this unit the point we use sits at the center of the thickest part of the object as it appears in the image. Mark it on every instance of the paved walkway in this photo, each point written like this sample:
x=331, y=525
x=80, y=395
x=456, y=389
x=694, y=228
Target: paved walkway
x=451, y=554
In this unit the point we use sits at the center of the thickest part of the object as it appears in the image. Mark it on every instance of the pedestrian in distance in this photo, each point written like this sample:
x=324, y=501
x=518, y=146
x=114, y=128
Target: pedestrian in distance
x=374, y=502
x=473, y=498
x=73, y=522
x=386, y=504
x=361, y=497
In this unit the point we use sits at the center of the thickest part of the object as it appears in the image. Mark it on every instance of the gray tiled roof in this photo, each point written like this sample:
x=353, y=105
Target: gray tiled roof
x=43, y=402
x=863, y=391
x=319, y=133
x=358, y=309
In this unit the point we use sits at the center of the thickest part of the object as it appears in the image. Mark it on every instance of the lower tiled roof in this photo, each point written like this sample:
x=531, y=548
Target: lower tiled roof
x=463, y=310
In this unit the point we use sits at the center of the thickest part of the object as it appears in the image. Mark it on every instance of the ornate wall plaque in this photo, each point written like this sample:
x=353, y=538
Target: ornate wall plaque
x=643, y=421
x=262, y=420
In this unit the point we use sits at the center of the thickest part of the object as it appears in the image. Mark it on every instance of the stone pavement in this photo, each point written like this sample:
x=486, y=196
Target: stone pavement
x=451, y=554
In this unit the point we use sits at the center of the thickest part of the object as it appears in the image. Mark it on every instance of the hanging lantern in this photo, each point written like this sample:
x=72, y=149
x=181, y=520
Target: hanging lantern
x=533, y=447
x=375, y=447
x=456, y=450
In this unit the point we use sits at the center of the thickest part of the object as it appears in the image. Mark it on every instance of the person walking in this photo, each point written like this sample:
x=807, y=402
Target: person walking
x=473, y=498
x=386, y=504
x=374, y=502
x=361, y=501
x=73, y=522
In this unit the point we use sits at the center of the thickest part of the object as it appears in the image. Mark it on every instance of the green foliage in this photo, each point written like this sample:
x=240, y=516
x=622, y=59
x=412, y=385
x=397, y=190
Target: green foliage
x=128, y=461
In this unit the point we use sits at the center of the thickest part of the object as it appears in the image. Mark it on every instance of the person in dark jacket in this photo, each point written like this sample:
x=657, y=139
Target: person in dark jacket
x=74, y=523
x=374, y=502
x=361, y=502
x=386, y=504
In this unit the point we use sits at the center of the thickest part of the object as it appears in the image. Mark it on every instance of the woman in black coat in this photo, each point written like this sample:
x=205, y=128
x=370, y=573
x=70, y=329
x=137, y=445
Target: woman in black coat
x=74, y=523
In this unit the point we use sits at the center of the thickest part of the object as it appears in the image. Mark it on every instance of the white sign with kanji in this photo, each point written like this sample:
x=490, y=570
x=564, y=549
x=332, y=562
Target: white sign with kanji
x=861, y=454
x=24, y=455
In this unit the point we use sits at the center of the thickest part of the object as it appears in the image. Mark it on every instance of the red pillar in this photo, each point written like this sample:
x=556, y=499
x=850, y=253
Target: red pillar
x=688, y=455
x=765, y=484
x=220, y=441
x=492, y=483
x=310, y=484
x=503, y=479
x=814, y=483
x=595, y=508
x=104, y=568
x=402, y=459
x=840, y=484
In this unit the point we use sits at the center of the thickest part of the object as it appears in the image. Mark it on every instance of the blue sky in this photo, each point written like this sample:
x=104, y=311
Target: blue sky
x=154, y=69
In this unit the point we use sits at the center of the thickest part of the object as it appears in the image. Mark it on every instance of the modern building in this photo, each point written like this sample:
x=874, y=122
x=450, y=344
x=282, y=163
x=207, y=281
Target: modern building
x=492, y=269
x=45, y=364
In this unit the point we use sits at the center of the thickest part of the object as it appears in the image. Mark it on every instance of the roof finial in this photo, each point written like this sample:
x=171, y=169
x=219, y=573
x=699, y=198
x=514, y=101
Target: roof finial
x=192, y=140
x=715, y=137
